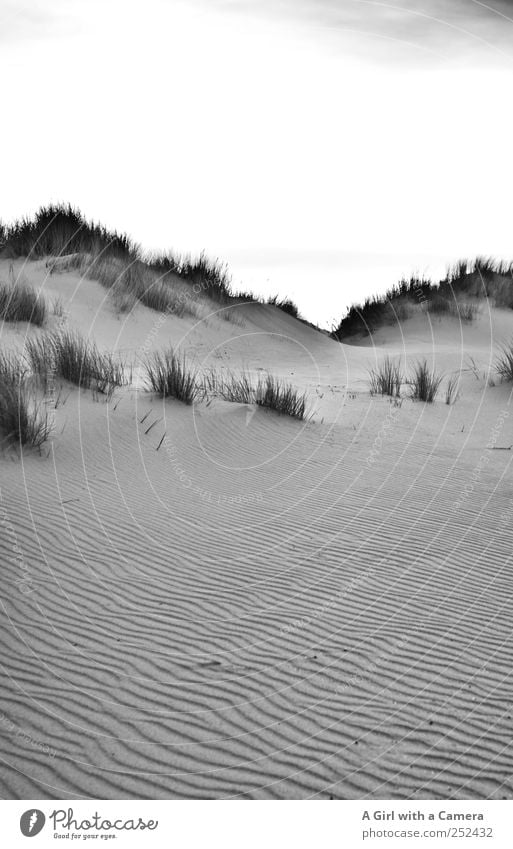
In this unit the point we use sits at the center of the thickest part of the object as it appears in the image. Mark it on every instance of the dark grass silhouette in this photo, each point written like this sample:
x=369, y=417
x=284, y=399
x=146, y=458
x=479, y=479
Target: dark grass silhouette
x=169, y=376
x=386, y=378
x=71, y=357
x=277, y=395
x=203, y=274
x=481, y=278
x=60, y=230
x=451, y=390
x=284, y=304
x=268, y=392
x=236, y=388
x=168, y=282
x=79, y=361
x=504, y=363
x=424, y=382
x=441, y=305
x=23, y=418
x=19, y=302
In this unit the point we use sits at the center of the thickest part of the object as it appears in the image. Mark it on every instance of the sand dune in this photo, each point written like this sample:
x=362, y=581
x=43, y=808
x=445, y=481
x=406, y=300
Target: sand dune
x=262, y=608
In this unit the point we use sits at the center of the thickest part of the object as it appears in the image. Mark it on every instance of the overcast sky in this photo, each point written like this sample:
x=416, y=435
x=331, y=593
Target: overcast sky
x=322, y=147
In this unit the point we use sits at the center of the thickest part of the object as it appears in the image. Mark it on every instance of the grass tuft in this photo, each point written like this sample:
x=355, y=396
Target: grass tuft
x=285, y=304
x=424, y=382
x=79, y=361
x=203, y=274
x=504, y=362
x=386, y=379
x=236, y=388
x=451, y=390
x=19, y=302
x=269, y=392
x=281, y=397
x=170, y=377
x=23, y=419
x=71, y=357
x=60, y=229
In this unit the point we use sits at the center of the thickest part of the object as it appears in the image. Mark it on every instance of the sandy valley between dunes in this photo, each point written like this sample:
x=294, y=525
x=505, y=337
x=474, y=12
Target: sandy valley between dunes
x=262, y=608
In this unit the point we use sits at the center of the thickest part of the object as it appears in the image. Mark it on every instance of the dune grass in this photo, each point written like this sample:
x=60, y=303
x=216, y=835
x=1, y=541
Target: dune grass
x=60, y=229
x=269, y=392
x=483, y=277
x=165, y=282
x=236, y=388
x=39, y=355
x=79, y=361
x=169, y=376
x=131, y=280
x=70, y=356
x=23, y=419
x=468, y=312
x=282, y=397
x=19, y=302
x=210, y=276
x=504, y=363
x=386, y=379
x=445, y=305
x=451, y=390
x=285, y=304
x=424, y=382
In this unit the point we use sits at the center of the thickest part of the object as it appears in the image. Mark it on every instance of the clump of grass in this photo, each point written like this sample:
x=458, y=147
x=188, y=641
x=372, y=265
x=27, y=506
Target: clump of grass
x=269, y=392
x=39, y=355
x=79, y=361
x=483, y=277
x=60, y=229
x=489, y=266
x=446, y=304
x=19, y=302
x=282, y=397
x=69, y=356
x=451, y=390
x=468, y=312
x=206, y=275
x=504, y=362
x=424, y=382
x=130, y=280
x=285, y=304
x=170, y=377
x=166, y=282
x=236, y=388
x=22, y=418
x=12, y=367
x=394, y=305
x=386, y=379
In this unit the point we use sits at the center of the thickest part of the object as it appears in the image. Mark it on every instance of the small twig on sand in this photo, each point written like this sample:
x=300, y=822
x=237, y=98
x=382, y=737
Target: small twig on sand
x=152, y=425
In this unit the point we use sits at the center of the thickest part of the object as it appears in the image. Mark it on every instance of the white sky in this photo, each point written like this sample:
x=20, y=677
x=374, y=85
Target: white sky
x=320, y=161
